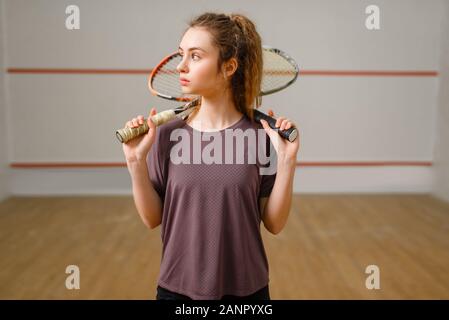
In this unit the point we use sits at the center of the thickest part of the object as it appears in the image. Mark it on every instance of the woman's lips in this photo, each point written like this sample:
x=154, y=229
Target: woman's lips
x=184, y=82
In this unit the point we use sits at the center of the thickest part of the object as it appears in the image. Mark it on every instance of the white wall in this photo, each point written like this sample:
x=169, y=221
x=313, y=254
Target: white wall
x=72, y=118
x=441, y=187
x=4, y=170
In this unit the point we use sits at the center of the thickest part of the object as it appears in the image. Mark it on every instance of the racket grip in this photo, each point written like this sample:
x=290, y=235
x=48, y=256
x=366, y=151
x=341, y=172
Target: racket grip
x=289, y=134
x=127, y=133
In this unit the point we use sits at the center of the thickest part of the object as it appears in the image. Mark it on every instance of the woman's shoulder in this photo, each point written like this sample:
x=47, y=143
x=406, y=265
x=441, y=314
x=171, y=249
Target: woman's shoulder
x=166, y=129
x=252, y=124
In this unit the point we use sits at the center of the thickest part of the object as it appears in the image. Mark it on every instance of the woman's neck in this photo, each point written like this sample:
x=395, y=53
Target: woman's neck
x=216, y=112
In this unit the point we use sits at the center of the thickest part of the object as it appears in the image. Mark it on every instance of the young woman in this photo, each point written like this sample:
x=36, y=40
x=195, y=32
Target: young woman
x=210, y=213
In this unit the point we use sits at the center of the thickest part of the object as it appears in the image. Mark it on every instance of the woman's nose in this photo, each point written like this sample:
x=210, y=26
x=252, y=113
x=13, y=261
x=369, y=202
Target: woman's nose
x=182, y=67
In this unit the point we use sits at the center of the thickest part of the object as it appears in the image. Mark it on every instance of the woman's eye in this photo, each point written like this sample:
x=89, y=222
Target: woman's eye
x=193, y=56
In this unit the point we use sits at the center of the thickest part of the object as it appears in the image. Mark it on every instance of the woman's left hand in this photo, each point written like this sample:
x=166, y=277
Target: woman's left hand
x=286, y=150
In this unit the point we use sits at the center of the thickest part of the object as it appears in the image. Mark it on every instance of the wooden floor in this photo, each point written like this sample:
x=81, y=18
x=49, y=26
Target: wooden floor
x=322, y=253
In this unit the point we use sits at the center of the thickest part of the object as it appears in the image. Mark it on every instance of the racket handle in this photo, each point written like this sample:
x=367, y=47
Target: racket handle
x=127, y=133
x=289, y=134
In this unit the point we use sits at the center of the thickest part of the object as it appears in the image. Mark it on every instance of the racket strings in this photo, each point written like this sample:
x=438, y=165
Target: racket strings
x=277, y=73
x=166, y=79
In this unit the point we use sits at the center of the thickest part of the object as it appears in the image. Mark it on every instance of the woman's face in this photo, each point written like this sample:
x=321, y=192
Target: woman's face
x=199, y=64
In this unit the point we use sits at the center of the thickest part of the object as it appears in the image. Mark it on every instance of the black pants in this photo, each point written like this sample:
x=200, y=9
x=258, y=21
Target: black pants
x=164, y=294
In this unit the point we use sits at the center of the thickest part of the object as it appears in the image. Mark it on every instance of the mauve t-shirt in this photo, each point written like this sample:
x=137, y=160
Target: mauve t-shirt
x=210, y=229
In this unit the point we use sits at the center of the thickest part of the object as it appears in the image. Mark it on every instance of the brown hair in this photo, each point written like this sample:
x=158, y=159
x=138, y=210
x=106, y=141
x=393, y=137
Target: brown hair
x=236, y=36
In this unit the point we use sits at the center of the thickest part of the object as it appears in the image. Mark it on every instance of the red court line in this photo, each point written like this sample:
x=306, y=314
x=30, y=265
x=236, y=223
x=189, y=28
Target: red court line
x=34, y=165
x=352, y=73
x=66, y=164
x=364, y=164
x=79, y=71
x=369, y=73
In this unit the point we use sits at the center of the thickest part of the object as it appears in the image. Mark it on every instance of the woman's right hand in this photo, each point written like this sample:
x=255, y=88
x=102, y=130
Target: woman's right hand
x=137, y=149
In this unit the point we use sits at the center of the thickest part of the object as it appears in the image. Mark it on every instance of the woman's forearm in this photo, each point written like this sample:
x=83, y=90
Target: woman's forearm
x=278, y=205
x=146, y=199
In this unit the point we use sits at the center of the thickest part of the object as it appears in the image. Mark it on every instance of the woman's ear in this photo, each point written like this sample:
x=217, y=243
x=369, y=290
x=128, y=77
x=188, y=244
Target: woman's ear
x=230, y=67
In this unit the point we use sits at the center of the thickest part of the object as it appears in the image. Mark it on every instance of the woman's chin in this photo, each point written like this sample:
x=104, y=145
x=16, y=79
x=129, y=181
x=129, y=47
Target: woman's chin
x=188, y=91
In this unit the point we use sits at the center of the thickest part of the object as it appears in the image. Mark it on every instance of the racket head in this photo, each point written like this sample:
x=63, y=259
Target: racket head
x=279, y=72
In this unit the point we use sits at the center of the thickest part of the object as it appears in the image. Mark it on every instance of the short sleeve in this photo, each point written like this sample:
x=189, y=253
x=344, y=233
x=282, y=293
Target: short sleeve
x=155, y=164
x=268, y=171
